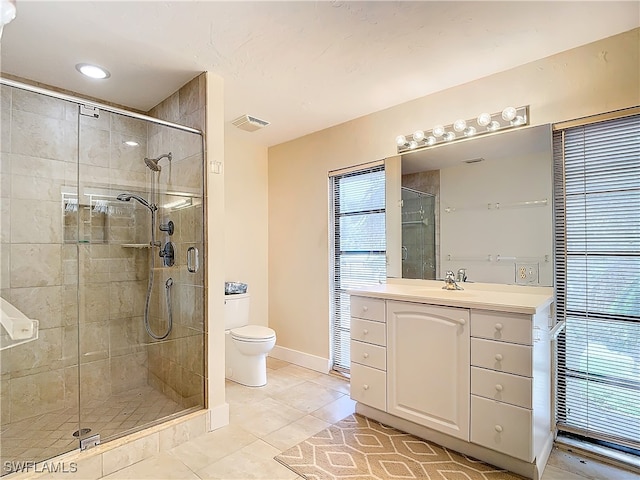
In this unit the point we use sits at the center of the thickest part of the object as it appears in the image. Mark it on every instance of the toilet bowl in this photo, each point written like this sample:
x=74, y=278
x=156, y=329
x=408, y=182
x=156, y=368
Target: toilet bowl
x=246, y=346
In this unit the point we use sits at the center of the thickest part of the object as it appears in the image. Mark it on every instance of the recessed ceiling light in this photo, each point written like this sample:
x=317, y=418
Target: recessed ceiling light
x=92, y=71
x=131, y=143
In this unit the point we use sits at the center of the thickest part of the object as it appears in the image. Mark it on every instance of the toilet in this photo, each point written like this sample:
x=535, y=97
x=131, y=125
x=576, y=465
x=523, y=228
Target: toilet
x=246, y=346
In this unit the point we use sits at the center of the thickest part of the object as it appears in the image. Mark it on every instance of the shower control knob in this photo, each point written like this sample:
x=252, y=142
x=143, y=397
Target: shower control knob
x=167, y=227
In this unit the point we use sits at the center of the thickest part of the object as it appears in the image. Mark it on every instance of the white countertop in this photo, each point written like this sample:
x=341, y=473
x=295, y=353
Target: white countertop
x=484, y=296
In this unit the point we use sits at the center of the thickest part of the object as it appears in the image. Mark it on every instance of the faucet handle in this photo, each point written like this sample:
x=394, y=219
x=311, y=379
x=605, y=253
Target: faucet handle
x=462, y=275
x=449, y=276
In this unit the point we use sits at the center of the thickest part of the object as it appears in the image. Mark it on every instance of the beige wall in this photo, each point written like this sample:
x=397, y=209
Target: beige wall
x=246, y=219
x=594, y=78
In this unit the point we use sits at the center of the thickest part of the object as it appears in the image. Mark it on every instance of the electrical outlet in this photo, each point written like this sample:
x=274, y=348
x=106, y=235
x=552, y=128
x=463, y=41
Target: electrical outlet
x=527, y=273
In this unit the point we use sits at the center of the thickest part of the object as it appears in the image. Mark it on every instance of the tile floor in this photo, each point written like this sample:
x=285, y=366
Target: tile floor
x=51, y=434
x=295, y=404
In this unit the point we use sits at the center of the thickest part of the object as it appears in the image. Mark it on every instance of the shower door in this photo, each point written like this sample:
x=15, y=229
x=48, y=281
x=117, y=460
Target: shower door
x=141, y=282
x=39, y=278
x=418, y=235
x=76, y=358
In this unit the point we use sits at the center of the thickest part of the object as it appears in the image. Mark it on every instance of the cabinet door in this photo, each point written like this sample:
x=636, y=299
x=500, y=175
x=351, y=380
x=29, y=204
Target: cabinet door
x=428, y=366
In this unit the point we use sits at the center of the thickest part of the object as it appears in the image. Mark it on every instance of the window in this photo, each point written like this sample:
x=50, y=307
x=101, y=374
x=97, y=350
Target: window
x=597, y=212
x=358, y=247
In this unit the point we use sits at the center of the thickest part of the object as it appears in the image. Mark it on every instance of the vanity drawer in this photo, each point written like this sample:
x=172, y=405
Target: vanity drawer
x=369, y=386
x=368, y=331
x=506, y=327
x=501, y=356
x=369, y=355
x=503, y=387
x=368, y=308
x=502, y=427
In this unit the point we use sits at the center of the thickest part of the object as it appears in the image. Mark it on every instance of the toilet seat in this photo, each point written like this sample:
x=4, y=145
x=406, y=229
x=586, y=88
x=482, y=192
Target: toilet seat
x=253, y=333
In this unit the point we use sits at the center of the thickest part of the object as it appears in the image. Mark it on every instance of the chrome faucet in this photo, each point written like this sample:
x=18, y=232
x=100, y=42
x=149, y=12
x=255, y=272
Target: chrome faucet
x=450, y=282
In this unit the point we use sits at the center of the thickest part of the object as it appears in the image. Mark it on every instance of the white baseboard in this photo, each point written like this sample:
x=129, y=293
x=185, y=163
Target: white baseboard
x=301, y=359
x=218, y=416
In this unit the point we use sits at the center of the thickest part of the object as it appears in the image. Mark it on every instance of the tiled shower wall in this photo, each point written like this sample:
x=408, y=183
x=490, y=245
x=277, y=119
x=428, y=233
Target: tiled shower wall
x=176, y=365
x=40, y=272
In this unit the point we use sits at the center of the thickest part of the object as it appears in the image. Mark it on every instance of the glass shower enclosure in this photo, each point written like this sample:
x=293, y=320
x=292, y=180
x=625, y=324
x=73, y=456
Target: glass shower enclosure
x=418, y=234
x=102, y=273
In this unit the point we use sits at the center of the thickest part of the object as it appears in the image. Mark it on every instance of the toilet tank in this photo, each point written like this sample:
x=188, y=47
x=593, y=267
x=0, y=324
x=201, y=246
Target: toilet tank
x=236, y=310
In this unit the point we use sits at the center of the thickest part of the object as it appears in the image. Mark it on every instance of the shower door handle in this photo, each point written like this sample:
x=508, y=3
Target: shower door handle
x=193, y=261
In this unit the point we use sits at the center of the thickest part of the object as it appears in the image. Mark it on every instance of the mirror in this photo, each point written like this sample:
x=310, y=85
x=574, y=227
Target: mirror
x=483, y=204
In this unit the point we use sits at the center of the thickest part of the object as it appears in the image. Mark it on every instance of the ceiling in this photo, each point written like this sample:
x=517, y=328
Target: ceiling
x=303, y=66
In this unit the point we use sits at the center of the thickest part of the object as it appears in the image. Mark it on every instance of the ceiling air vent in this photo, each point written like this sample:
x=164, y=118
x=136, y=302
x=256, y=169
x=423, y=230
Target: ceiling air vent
x=249, y=123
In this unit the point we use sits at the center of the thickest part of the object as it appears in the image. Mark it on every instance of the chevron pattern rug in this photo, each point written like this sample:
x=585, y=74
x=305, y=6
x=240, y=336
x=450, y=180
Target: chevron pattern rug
x=359, y=448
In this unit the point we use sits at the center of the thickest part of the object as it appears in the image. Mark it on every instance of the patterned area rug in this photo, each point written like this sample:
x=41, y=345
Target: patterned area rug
x=359, y=448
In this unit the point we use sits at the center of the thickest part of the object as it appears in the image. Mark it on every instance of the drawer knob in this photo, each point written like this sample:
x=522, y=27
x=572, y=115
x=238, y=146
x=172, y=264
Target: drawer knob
x=365, y=387
x=498, y=428
x=365, y=331
x=498, y=387
x=498, y=357
x=365, y=355
x=365, y=308
x=499, y=326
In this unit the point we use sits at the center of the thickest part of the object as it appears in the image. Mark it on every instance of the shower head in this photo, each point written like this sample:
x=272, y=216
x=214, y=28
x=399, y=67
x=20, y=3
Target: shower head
x=126, y=197
x=152, y=163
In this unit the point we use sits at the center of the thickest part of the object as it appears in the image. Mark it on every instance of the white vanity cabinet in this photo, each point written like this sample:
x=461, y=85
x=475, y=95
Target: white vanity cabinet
x=368, y=352
x=428, y=366
x=471, y=372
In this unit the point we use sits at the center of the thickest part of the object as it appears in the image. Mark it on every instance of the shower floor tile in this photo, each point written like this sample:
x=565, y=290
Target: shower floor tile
x=48, y=435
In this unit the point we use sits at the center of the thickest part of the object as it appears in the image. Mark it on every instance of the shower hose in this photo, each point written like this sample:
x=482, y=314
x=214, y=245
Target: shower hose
x=168, y=284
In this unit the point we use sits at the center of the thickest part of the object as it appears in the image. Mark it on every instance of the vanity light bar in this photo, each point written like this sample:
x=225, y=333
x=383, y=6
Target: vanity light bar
x=486, y=123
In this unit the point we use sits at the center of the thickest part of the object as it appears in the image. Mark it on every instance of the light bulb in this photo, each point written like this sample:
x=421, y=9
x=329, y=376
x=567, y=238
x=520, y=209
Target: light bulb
x=92, y=71
x=459, y=125
x=519, y=120
x=431, y=140
x=438, y=130
x=493, y=126
x=401, y=140
x=418, y=135
x=484, y=119
x=449, y=136
x=509, y=114
x=413, y=144
x=469, y=131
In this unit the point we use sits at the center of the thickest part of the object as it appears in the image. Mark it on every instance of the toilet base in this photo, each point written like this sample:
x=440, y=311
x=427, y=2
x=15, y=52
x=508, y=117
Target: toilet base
x=256, y=376
x=247, y=370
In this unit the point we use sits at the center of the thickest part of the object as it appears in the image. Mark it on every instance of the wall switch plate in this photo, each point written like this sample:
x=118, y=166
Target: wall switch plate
x=527, y=274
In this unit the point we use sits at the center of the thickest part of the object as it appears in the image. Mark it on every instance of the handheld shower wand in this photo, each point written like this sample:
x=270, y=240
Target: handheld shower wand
x=126, y=197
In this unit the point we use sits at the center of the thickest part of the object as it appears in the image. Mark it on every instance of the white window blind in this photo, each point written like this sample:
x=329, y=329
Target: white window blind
x=358, y=247
x=597, y=217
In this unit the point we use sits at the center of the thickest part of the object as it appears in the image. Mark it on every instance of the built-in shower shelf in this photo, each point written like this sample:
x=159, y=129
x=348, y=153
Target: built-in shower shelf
x=135, y=245
x=15, y=327
x=7, y=342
